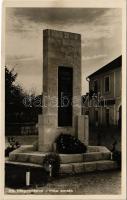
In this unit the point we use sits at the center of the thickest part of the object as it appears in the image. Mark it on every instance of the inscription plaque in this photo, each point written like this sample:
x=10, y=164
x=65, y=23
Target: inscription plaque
x=65, y=85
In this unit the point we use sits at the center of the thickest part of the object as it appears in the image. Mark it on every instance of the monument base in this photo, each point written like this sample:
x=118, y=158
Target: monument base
x=48, y=131
x=83, y=129
x=96, y=158
x=45, y=148
x=46, y=134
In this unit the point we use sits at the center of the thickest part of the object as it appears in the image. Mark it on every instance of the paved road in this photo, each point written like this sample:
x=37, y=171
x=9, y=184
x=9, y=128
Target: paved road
x=107, y=182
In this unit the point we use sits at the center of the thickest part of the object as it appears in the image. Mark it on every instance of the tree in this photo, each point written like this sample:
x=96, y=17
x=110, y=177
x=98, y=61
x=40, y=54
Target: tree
x=15, y=108
x=14, y=94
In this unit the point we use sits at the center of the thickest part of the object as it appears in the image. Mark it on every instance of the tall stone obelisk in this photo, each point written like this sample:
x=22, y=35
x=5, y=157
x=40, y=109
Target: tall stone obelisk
x=61, y=86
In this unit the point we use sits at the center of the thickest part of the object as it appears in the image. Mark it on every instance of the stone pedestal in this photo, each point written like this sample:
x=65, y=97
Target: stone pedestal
x=83, y=129
x=61, y=74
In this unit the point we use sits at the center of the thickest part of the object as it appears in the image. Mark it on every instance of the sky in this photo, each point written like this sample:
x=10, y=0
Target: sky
x=100, y=29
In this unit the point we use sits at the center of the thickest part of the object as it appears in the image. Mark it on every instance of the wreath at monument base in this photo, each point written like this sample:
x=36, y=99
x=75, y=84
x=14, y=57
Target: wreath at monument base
x=51, y=163
x=68, y=144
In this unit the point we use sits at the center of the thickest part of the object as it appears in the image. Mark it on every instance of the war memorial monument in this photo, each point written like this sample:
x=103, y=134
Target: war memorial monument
x=62, y=109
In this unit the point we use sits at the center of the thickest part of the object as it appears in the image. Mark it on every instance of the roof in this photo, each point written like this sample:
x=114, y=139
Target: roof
x=110, y=66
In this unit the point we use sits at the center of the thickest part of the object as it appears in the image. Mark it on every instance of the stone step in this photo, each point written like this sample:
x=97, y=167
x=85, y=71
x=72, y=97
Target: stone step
x=96, y=158
x=84, y=157
x=30, y=157
x=23, y=164
x=37, y=157
x=74, y=168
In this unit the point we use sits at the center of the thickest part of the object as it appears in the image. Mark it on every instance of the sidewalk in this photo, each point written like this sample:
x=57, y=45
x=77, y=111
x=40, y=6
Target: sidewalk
x=108, y=182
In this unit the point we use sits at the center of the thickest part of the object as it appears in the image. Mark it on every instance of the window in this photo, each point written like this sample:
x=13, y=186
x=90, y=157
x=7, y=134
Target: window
x=106, y=84
x=65, y=89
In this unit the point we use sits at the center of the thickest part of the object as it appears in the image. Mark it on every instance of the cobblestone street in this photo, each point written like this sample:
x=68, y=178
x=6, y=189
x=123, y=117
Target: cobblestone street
x=108, y=182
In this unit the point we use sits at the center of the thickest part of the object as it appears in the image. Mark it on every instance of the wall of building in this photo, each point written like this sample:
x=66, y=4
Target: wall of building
x=114, y=93
x=118, y=83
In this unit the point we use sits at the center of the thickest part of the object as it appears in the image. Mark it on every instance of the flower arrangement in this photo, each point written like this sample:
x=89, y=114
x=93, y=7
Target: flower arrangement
x=51, y=163
x=68, y=144
x=12, y=145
